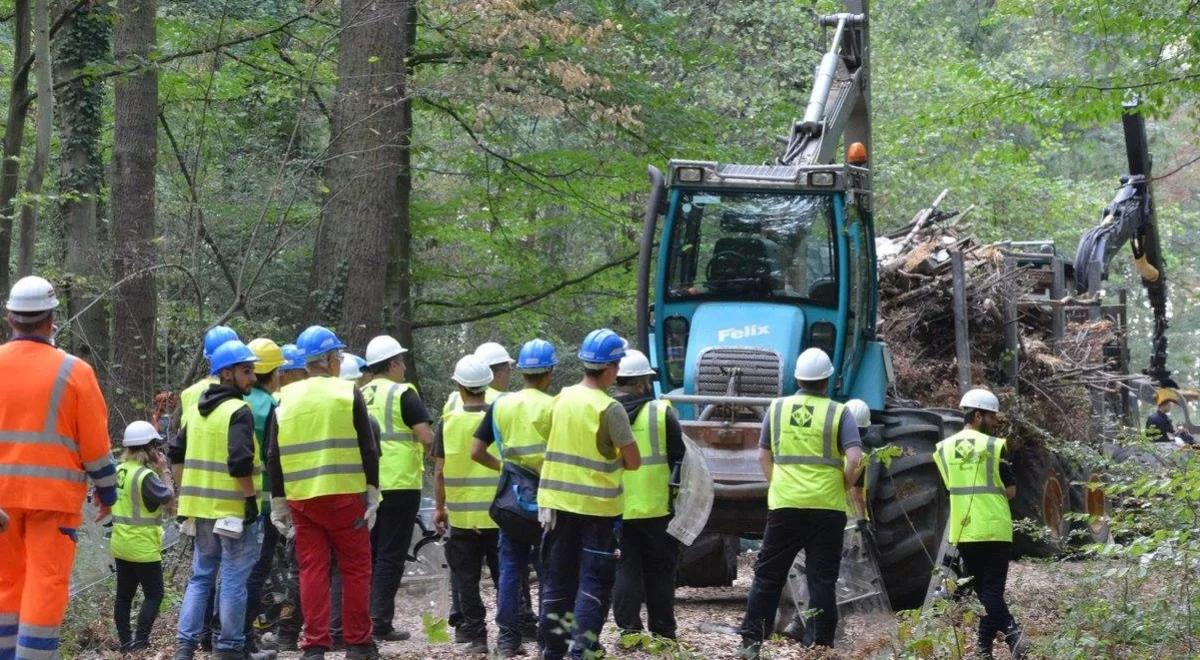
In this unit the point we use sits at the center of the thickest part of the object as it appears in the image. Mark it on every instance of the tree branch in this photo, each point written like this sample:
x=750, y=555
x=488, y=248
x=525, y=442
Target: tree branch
x=525, y=301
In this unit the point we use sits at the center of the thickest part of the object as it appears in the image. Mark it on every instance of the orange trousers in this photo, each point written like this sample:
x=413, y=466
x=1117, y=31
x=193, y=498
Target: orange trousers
x=38, y=550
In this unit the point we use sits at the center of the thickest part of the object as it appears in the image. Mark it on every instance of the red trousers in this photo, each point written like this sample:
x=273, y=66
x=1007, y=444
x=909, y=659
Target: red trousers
x=333, y=523
x=36, y=554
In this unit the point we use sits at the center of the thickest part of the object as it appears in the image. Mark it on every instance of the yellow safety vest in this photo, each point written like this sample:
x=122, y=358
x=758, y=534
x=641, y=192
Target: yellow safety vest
x=969, y=462
x=576, y=477
x=647, y=489
x=808, y=463
x=136, y=532
x=521, y=422
x=401, y=456
x=318, y=444
x=470, y=487
x=454, y=402
x=189, y=399
x=207, y=491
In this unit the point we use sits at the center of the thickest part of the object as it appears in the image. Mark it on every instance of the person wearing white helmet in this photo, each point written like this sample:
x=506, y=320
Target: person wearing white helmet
x=463, y=493
x=810, y=452
x=136, y=542
x=51, y=404
x=496, y=357
x=406, y=434
x=649, y=554
x=980, y=481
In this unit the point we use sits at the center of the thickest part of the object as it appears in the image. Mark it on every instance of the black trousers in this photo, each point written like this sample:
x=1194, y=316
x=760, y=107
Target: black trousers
x=818, y=532
x=467, y=550
x=646, y=573
x=987, y=563
x=130, y=574
x=259, y=574
x=391, y=539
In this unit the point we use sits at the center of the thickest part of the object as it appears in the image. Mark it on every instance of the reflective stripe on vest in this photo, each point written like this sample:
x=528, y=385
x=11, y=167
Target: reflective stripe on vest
x=576, y=477
x=521, y=424
x=402, y=456
x=318, y=444
x=470, y=487
x=49, y=436
x=136, y=534
x=969, y=462
x=808, y=464
x=647, y=489
x=207, y=490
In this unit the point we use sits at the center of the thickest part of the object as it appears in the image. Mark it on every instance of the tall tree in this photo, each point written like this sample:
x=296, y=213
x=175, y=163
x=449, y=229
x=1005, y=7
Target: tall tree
x=45, y=124
x=14, y=134
x=400, y=273
x=135, y=149
x=84, y=42
x=358, y=229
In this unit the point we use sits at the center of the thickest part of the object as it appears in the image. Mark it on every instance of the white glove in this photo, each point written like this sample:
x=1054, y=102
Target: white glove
x=372, y=506
x=281, y=517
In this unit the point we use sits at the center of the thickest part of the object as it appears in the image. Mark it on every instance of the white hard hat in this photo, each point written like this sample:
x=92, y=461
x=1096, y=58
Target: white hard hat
x=472, y=372
x=492, y=353
x=351, y=367
x=634, y=364
x=383, y=347
x=813, y=364
x=980, y=399
x=861, y=412
x=140, y=434
x=31, y=295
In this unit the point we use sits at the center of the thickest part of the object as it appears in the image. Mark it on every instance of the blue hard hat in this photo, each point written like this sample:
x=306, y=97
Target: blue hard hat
x=317, y=340
x=232, y=352
x=602, y=346
x=536, y=355
x=293, y=360
x=216, y=336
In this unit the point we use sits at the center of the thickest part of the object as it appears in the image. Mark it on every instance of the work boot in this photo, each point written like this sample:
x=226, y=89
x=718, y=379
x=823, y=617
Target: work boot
x=313, y=653
x=751, y=650
x=476, y=646
x=137, y=645
x=362, y=652
x=461, y=636
x=795, y=629
x=509, y=650
x=1018, y=646
x=273, y=641
x=392, y=635
x=184, y=652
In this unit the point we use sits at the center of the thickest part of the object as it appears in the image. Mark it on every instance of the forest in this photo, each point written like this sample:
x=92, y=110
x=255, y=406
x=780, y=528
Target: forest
x=458, y=171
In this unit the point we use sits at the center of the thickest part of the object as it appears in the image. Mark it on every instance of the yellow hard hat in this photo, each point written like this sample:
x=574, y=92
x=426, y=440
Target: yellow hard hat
x=1164, y=395
x=270, y=356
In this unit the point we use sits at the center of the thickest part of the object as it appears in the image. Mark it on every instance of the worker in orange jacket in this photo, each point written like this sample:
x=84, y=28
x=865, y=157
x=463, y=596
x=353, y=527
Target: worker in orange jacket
x=53, y=437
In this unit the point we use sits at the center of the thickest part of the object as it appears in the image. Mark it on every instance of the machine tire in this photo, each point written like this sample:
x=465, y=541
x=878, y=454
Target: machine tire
x=710, y=561
x=1043, y=495
x=1091, y=501
x=908, y=504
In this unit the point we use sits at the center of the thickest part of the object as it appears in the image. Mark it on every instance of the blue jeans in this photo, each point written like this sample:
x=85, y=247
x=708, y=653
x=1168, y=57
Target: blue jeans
x=514, y=565
x=223, y=565
x=579, y=567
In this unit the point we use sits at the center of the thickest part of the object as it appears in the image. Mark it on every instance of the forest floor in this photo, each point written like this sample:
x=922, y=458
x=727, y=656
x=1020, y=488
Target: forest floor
x=707, y=618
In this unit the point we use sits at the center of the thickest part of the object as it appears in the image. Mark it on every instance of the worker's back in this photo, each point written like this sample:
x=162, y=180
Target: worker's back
x=53, y=427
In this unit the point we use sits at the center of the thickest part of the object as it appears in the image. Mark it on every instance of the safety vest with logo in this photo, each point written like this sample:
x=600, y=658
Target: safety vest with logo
x=136, y=532
x=207, y=490
x=808, y=463
x=402, y=457
x=470, y=487
x=576, y=477
x=53, y=429
x=454, y=401
x=969, y=462
x=647, y=489
x=318, y=444
x=521, y=423
x=189, y=399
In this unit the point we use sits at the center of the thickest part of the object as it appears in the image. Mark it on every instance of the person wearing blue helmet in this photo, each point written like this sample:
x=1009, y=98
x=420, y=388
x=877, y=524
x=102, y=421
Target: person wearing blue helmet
x=293, y=366
x=189, y=398
x=519, y=424
x=580, y=499
x=215, y=459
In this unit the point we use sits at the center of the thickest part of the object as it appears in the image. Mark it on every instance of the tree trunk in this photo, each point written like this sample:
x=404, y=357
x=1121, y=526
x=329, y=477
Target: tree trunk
x=399, y=279
x=84, y=41
x=14, y=135
x=357, y=235
x=45, y=124
x=135, y=148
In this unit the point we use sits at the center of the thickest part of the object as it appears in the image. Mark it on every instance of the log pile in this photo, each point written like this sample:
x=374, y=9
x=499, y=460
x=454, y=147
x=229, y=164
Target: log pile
x=1056, y=377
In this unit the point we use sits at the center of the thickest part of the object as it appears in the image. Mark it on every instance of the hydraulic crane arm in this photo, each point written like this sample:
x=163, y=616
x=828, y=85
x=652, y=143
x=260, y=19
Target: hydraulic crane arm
x=1129, y=218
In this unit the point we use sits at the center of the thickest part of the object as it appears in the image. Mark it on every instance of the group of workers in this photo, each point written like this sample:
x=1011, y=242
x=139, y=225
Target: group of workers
x=308, y=446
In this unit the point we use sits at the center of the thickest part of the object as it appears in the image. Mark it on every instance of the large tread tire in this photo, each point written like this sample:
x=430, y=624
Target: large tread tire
x=909, y=505
x=1043, y=496
x=1089, y=501
x=710, y=561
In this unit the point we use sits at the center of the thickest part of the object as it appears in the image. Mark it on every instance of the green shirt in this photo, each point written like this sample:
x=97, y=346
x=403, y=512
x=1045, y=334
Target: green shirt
x=261, y=404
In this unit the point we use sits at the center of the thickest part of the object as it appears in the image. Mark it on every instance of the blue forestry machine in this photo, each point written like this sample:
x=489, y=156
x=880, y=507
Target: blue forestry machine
x=744, y=266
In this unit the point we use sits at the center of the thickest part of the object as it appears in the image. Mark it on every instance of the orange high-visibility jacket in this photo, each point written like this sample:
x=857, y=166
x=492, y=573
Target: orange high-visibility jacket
x=53, y=429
